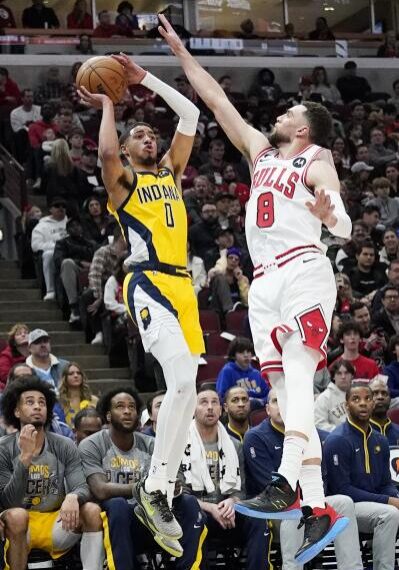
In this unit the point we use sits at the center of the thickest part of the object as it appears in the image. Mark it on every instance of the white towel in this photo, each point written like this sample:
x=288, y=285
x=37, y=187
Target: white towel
x=195, y=466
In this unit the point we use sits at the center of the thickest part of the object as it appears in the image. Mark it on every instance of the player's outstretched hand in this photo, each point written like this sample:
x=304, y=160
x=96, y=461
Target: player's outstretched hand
x=96, y=100
x=323, y=209
x=168, y=34
x=134, y=73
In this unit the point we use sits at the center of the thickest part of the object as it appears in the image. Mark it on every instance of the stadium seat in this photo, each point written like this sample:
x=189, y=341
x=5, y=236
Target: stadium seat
x=209, y=321
x=211, y=369
x=216, y=345
x=393, y=415
x=235, y=322
x=257, y=416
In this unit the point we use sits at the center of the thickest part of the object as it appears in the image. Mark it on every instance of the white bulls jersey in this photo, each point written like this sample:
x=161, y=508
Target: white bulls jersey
x=278, y=221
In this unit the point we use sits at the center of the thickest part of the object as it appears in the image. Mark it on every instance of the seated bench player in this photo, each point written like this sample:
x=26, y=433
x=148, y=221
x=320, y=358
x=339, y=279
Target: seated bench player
x=43, y=491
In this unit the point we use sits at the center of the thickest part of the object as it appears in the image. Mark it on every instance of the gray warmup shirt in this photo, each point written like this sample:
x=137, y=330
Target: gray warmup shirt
x=44, y=484
x=100, y=455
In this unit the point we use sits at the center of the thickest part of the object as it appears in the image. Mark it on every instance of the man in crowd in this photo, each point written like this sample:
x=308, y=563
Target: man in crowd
x=153, y=405
x=202, y=235
x=393, y=279
x=387, y=318
x=263, y=448
x=237, y=407
x=389, y=207
x=330, y=409
x=373, y=344
x=357, y=461
x=43, y=488
x=380, y=154
x=350, y=85
x=45, y=234
x=214, y=168
x=39, y=16
x=379, y=420
x=72, y=256
x=20, y=118
x=213, y=467
x=367, y=276
x=86, y=422
x=349, y=336
x=114, y=460
x=47, y=367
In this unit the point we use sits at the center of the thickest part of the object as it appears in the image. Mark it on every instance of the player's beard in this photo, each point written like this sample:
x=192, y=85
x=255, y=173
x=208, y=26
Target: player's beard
x=38, y=424
x=148, y=161
x=276, y=138
x=120, y=427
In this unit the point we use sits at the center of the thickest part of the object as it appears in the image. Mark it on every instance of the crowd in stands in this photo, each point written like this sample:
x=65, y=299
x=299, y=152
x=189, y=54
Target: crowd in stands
x=77, y=252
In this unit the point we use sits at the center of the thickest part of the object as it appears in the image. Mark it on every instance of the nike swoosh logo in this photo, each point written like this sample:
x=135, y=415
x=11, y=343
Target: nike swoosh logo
x=357, y=449
x=197, y=526
x=148, y=507
x=307, y=260
x=277, y=447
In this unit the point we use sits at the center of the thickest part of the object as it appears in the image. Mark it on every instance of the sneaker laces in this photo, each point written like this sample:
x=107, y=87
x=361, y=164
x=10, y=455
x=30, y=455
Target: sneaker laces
x=311, y=527
x=160, y=502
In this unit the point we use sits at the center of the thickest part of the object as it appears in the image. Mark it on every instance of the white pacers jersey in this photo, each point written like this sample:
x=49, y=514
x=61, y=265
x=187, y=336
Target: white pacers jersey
x=277, y=220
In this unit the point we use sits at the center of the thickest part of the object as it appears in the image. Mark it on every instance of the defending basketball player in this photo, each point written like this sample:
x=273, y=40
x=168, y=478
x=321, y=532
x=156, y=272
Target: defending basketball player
x=146, y=200
x=295, y=189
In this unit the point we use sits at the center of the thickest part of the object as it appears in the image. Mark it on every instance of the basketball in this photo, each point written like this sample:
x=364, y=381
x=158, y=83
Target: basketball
x=103, y=75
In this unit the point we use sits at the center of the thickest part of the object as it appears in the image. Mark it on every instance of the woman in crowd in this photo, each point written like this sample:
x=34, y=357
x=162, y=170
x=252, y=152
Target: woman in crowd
x=391, y=244
x=126, y=21
x=74, y=392
x=79, y=18
x=323, y=87
x=344, y=293
x=96, y=221
x=15, y=352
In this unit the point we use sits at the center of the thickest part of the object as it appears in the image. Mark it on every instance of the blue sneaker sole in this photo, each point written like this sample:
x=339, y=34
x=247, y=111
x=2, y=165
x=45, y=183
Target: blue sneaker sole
x=294, y=514
x=314, y=550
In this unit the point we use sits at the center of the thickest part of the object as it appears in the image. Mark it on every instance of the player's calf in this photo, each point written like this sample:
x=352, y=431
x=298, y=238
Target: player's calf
x=16, y=531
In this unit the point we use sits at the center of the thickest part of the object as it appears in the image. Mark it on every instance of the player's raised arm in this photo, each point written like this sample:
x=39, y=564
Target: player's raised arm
x=114, y=174
x=328, y=206
x=179, y=153
x=247, y=139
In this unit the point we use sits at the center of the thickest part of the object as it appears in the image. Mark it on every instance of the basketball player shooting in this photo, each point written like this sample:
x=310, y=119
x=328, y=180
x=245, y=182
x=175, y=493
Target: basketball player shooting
x=146, y=200
x=295, y=189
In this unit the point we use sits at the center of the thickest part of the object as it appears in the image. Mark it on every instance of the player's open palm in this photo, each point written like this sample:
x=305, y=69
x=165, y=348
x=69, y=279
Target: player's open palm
x=96, y=100
x=168, y=33
x=322, y=208
x=134, y=73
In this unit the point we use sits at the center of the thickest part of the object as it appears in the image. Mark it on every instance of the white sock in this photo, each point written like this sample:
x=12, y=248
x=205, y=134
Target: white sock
x=92, y=550
x=291, y=461
x=312, y=486
x=157, y=475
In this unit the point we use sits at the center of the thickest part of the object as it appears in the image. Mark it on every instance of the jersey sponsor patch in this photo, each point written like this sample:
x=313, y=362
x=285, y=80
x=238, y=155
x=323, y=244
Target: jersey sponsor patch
x=299, y=162
x=145, y=317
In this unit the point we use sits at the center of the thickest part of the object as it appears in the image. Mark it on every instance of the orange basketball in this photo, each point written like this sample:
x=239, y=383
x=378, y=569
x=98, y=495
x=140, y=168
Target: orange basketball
x=103, y=74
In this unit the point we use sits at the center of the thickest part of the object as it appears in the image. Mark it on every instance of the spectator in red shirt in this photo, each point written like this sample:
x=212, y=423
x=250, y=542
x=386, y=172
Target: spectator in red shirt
x=349, y=335
x=38, y=128
x=105, y=29
x=7, y=19
x=16, y=351
x=79, y=18
x=10, y=94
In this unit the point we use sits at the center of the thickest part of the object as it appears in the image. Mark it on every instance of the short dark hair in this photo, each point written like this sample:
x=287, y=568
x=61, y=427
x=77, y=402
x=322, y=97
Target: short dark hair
x=320, y=122
x=393, y=341
x=85, y=413
x=104, y=404
x=13, y=392
x=335, y=366
x=150, y=400
x=226, y=394
x=348, y=327
x=357, y=384
x=124, y=136
x=23, y=92
x=355, y=306
x=123, y=5
x=366, y=243
x=205, y=387
x=216, y=142
x=239, y=344
x=11, y=377
x=370, y=208
x=389, y=288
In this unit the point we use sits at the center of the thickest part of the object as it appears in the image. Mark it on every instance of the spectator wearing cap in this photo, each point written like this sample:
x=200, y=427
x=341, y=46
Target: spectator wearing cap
x=388, y=207
x=72, y=256
x=45, y=365
x=382, y=402
x=380, y=154
x=229, y=286
x=239, y=372
x=213, y=169
x=44, y=237
x=351, y=86
x=202, y=235
x=39, y=16
x=16, y=351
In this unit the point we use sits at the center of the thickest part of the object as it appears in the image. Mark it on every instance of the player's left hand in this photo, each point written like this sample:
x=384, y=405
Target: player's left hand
x=69, y=513
x=169, y=34
x=134, y=73
x=323, y=209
